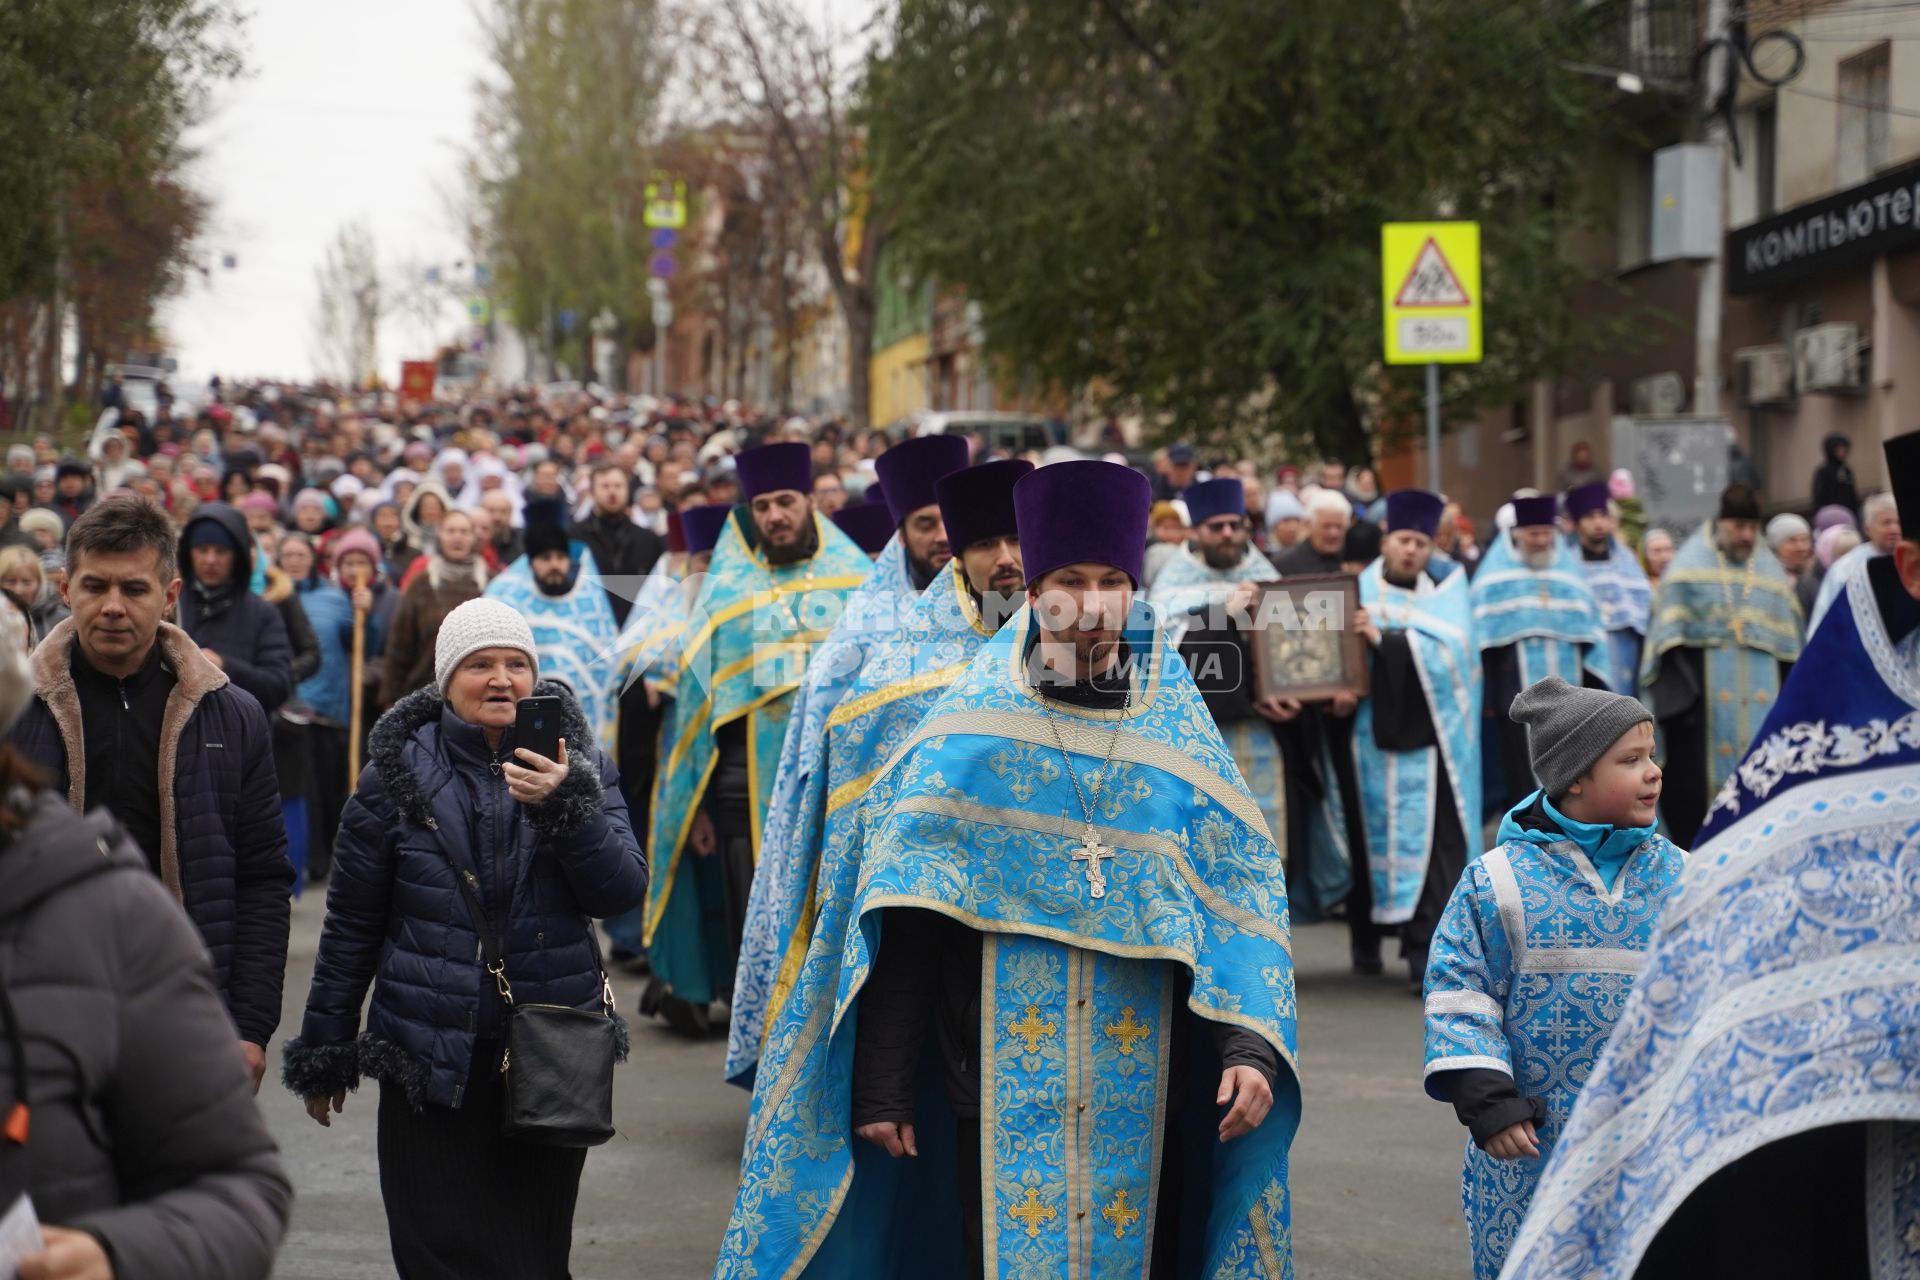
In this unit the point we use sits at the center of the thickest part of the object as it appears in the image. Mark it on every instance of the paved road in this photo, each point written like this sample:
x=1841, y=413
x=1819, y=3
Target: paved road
x=1375, y=1167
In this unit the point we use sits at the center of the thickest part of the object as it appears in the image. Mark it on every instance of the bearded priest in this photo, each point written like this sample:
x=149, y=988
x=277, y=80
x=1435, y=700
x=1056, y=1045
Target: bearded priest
x=1071, y=914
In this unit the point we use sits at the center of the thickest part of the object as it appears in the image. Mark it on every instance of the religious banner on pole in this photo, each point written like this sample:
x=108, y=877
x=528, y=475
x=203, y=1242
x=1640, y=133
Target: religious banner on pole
x=416, y=379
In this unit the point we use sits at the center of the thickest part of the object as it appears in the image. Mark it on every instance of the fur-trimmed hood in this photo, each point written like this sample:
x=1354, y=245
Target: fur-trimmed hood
x=194, y=678
x=570, y=807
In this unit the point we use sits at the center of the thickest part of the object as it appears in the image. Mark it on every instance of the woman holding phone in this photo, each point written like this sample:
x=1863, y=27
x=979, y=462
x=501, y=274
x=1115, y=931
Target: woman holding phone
x=448, y=792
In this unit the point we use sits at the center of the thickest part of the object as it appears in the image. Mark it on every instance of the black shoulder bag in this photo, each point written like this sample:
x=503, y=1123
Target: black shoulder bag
x=559, y=1060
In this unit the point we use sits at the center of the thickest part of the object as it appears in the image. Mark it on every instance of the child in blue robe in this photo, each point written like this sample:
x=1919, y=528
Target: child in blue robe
x=1540, y=943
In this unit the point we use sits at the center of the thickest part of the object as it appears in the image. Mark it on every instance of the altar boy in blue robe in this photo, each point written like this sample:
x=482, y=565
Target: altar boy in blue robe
x=1540, y=944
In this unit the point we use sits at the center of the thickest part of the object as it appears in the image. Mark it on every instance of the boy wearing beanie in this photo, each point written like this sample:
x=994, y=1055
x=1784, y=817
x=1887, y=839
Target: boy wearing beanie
x=1540, y=943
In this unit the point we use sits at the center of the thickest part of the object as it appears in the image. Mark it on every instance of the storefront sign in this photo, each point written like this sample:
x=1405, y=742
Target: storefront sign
x=1856, y=225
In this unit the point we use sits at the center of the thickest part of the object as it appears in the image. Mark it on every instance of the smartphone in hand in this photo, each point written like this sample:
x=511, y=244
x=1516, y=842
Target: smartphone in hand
x=536, y=726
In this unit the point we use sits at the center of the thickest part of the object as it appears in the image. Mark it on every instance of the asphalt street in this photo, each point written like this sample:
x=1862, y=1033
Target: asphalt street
x=1375, y=1170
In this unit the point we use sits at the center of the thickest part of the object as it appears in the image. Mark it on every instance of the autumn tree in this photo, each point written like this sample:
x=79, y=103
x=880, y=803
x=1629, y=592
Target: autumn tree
x=95, y=100
x=1179, y=201
x=768, y=67
x=566, y=122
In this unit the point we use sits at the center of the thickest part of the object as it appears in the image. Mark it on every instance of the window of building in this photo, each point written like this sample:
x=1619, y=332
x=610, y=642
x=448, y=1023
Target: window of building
x=1766, y=128
x=1863, y=139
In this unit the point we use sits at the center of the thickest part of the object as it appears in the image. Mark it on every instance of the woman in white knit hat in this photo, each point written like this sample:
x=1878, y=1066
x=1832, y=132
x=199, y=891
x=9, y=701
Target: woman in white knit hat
x=545, y=844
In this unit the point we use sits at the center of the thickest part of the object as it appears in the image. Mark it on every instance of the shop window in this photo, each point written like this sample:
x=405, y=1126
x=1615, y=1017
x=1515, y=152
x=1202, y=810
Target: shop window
x=1863, y=149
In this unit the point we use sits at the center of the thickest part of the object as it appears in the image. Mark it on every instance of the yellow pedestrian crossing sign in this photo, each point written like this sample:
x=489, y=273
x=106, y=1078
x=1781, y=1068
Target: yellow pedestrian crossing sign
x=1430, y=291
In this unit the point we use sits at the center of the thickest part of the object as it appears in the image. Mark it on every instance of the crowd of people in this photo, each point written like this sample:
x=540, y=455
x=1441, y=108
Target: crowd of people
x=871, y=750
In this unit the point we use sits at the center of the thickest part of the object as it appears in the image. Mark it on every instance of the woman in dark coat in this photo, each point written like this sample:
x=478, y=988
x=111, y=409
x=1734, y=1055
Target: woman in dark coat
x=134, y=1129
x=547, y=845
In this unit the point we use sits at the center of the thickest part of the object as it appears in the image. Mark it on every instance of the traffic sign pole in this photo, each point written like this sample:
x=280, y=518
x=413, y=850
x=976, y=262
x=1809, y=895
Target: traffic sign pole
x=1433, y=427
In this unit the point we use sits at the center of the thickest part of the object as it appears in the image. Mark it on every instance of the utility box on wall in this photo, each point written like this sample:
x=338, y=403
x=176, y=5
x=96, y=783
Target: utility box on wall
x=1686, y=202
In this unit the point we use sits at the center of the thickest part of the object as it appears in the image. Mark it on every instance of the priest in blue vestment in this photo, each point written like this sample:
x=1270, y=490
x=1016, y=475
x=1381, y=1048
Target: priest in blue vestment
x=1756, y=1113
x=1046, y=1023
x=1726, y=628
x=1416, y=737
x=1210, y=592
x=914, y=550
x=779, y=580
x=1534, y=616
x=1618, y=582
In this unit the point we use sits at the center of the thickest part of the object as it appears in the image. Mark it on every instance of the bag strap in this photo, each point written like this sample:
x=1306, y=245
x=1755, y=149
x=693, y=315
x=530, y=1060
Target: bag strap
x=490, y=950
x=490, y=953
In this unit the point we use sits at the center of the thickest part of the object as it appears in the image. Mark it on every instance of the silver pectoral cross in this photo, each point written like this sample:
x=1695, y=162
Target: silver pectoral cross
x=1091, y=852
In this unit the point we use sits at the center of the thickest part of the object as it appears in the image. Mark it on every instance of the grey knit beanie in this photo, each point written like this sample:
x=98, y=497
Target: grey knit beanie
x=483, y=623
x=1568, y=729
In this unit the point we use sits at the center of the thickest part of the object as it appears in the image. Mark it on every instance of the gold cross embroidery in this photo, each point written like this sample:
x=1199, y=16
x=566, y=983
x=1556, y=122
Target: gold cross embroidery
x=1033, y=1213
x=1032, y=1029
x=1128, y=1031
x=1120, y=1214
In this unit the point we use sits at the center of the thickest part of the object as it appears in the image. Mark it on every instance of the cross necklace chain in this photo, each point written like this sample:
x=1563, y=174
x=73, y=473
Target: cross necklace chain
x=1091, y=851
x=1735, y=622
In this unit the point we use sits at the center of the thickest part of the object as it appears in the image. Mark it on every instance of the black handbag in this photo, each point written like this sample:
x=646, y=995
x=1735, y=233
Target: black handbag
x=559, y=1060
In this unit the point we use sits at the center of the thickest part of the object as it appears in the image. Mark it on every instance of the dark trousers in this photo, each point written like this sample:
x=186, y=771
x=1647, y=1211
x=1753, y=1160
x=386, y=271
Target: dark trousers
x=464, y=1203
x=729, y=804
x=1445, y=865
x=331, y=786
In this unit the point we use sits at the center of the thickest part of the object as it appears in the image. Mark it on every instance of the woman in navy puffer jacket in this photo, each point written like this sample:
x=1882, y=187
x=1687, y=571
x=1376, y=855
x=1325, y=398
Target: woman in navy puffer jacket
x=551, y=846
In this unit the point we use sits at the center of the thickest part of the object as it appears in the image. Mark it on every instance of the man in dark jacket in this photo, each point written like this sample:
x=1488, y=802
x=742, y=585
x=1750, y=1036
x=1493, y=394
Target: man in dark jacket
x=623, y=551
x=128, y=715
x=1833, y=480
x=239, y=632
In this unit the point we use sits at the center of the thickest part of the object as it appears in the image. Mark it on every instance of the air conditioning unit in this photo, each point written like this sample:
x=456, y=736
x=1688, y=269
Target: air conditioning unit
x=1763, y=375
x=1828, y=357
x=1659, y=395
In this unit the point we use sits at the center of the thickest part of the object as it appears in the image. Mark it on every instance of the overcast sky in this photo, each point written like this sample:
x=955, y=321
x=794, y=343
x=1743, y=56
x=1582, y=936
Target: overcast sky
x=351, y=109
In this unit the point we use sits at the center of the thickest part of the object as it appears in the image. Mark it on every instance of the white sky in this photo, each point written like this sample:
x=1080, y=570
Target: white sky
x=351, y=109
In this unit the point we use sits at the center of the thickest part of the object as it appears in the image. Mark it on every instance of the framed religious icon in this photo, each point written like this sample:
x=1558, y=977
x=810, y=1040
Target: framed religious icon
x=1304, y=646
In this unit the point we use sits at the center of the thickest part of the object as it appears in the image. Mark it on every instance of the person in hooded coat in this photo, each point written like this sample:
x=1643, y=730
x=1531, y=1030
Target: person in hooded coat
x=1833, y=484
x=242, y=634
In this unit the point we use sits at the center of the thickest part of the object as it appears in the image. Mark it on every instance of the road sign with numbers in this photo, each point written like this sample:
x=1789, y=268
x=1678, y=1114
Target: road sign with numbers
x=1430, y=291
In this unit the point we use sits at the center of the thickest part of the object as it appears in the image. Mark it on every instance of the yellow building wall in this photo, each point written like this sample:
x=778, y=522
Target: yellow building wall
x=899, y=380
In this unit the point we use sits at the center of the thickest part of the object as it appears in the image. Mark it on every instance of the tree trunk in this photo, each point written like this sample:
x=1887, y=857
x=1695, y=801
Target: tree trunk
x=857, y=303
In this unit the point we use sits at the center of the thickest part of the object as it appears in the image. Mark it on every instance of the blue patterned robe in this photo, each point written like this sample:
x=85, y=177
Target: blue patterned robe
x=751, y=635
x=792, y=840
x=1529, y=970
x=574, y=633
x=1747, y=622
x=1549, y=616
x=973, y=817
x=1399, y=789
x=1781, y=992
x=1625, y=597
x=648, y=647
x=1186, y=582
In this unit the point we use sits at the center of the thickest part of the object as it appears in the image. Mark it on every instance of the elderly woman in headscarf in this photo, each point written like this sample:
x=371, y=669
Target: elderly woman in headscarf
x=312, y=512
x=450, y=469
x=1790, y=538
x=422, y=513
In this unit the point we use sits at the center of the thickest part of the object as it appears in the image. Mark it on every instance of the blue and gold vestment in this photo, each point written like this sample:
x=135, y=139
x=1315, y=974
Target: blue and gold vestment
x=973, y=816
